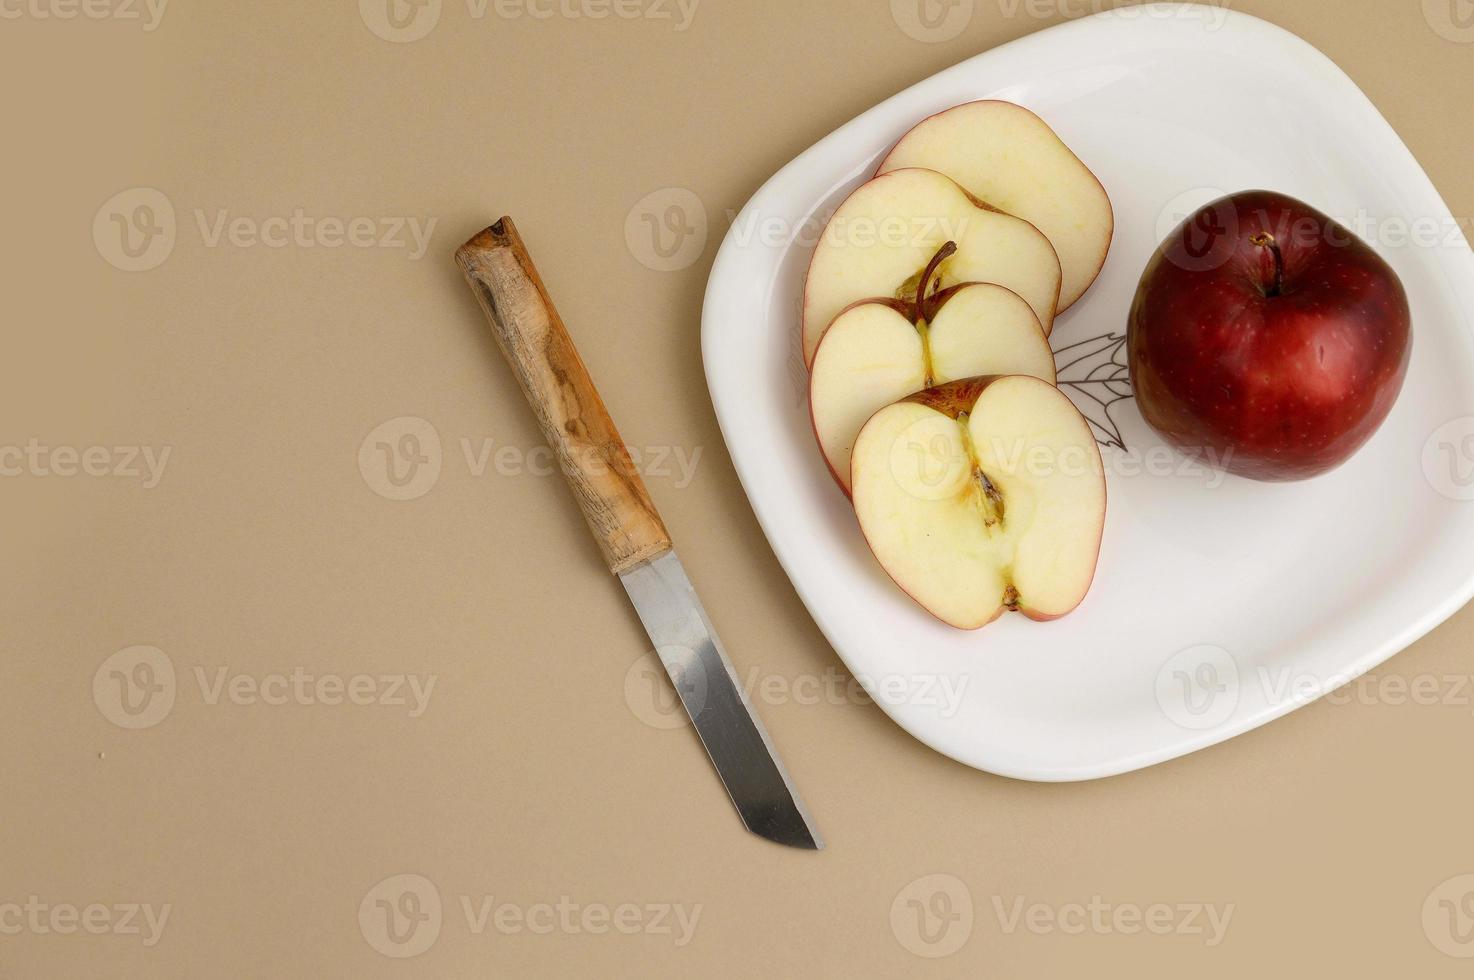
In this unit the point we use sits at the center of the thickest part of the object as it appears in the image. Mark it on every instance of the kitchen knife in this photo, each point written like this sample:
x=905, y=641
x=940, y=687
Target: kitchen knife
x=630, y=532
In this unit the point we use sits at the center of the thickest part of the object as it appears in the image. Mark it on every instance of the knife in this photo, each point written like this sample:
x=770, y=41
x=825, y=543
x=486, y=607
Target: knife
x=630, y=533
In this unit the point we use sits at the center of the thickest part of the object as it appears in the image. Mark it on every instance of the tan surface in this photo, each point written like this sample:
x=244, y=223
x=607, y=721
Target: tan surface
x=529, y=776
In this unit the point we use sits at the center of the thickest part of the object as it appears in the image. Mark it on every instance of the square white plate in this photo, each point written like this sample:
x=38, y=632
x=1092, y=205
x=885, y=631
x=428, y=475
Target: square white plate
x=1219, y=603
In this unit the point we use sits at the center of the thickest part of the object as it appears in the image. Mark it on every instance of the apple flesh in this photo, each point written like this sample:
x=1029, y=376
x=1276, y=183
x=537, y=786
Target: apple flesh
x=1009, y=158
x=1267, y=332
x=981, y=496
x=878, y=352
x=880, y=240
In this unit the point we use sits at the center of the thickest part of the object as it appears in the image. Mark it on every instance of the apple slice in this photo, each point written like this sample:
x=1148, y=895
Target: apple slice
x=880, y=351
x=1009, y=158
x=883, y=235
x=983, y=495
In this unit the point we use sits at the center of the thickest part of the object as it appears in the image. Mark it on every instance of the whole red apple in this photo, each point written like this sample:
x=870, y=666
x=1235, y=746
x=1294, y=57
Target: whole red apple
x=1268, y=333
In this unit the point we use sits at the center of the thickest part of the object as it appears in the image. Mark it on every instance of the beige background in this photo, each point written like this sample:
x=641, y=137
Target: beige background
x=532, y=773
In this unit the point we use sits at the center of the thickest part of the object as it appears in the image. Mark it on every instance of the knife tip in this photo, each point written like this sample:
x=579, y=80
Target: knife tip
x=790, y=834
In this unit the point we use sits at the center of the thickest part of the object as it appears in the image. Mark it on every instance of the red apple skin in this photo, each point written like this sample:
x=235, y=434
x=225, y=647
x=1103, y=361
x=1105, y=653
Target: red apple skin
x=1281, y=386
x=954, y=398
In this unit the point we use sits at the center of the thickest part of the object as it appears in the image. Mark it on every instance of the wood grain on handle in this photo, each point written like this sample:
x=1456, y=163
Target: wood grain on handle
x=593, y=457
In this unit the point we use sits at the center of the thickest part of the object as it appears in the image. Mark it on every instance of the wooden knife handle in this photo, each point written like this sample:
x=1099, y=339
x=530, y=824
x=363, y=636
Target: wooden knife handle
x=593, y=457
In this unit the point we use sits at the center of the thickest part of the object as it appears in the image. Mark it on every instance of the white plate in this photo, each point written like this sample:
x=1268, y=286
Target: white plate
x=1216, y=608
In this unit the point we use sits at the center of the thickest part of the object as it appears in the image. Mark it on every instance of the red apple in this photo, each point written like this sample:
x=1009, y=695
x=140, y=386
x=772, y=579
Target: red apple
x=1265, y=331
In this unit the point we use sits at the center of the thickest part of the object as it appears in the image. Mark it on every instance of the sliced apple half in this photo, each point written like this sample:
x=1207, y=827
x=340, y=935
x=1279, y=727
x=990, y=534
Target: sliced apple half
x=981, y=496
x=878, y=352
x=1008, y=157
x=883, y=235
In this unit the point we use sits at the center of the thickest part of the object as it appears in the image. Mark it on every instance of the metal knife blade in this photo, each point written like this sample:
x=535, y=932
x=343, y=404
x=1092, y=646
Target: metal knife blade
x=711, y=694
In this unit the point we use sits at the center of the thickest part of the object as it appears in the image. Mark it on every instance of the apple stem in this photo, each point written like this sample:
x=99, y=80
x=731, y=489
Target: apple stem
x=1266, y=240
x=924, y=287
